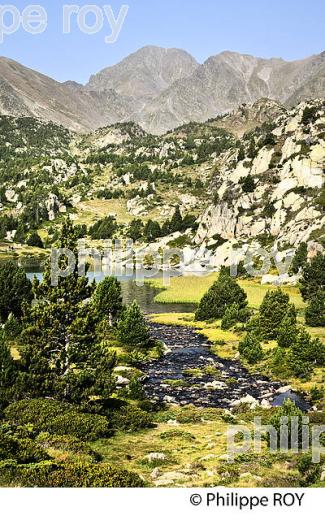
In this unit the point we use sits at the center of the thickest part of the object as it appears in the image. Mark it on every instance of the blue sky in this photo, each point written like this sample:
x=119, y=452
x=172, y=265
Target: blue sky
x=291, y=29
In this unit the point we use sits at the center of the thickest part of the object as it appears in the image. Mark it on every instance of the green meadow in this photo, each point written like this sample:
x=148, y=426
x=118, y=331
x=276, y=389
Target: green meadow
x=190, y=289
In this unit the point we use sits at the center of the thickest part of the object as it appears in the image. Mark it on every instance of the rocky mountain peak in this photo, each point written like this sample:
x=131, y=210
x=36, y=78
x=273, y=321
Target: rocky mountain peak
x=145, y=73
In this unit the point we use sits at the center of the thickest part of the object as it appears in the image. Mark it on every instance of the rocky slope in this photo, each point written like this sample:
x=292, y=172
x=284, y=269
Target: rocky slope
x=248, y=116
x=269, y=191
x=25, y=92
x=160, y=89
x=264, y=190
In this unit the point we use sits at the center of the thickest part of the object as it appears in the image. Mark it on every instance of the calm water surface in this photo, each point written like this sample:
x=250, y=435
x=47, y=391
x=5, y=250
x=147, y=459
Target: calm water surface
x=131, y=290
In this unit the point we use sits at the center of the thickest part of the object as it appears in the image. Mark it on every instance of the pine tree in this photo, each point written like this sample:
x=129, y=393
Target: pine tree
x=152, y=230
x=223, y=293
x=7, y=372
x=103, y=229
x=315, y=312
x=35, y=240
x=132, y=328
x=290, y=410
x=20, y=233
x=309, y=115
x=60, y=328
x=269, y=139
x=275, y=305
x=254, y=326
x=176, y=221
x=299, y=357
x=165, y=228
x=15, y=289
x=299, y=261
x=287, y=332
x=252, y=152
x=230, y=317
x=248, y=184
x=250, y=348
x=135, y=229
x=241, y=154
x=107, y=299
x=313, y=277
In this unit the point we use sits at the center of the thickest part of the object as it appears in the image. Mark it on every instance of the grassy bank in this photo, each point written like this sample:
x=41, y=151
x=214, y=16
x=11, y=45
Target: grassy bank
x=10, y=251
x=190, y=289
x=193, y=444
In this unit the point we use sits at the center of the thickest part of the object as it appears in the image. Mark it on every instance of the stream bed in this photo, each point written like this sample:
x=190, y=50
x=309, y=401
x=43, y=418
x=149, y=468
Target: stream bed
x=190, y=374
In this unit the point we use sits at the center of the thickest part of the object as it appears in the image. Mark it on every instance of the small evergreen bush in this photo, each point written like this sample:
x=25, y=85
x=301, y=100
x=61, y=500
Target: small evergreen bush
x=51, y=416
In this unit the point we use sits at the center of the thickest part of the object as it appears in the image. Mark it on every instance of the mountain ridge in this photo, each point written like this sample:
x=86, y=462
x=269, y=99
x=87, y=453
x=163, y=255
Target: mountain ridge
x=160, y=89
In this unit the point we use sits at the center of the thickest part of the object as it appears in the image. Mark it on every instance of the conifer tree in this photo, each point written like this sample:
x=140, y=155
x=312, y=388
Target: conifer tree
x=15, y=289
x=304, y=353
x=299, y=261
x=223, y=293
x=132, y=328
x=230, y=317
x=315, y=312
x=7, y=371
x=241, y=154
x=290, y=410
x=136, y=229
x=250, y=348
x=34, y=240
x=107, y=299
x=287, y=332
x=176, y=221
x=152, y=230
x=275, y=305
x=313, y=277
x=60, y=328
x=248, y=184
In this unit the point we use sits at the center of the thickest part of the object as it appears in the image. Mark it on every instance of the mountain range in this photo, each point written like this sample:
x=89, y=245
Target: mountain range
x=160, y=89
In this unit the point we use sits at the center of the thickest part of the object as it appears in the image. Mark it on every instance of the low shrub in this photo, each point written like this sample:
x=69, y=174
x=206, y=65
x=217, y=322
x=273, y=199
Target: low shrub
x=23, y=451
x=51, y=416
x=316, y=417
x=83, y=425
x=130, y=419
x=188, y=415
x=309, y=471
x=70, y=475
x=177, y=434
x=136, y=389
x=67, y=443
